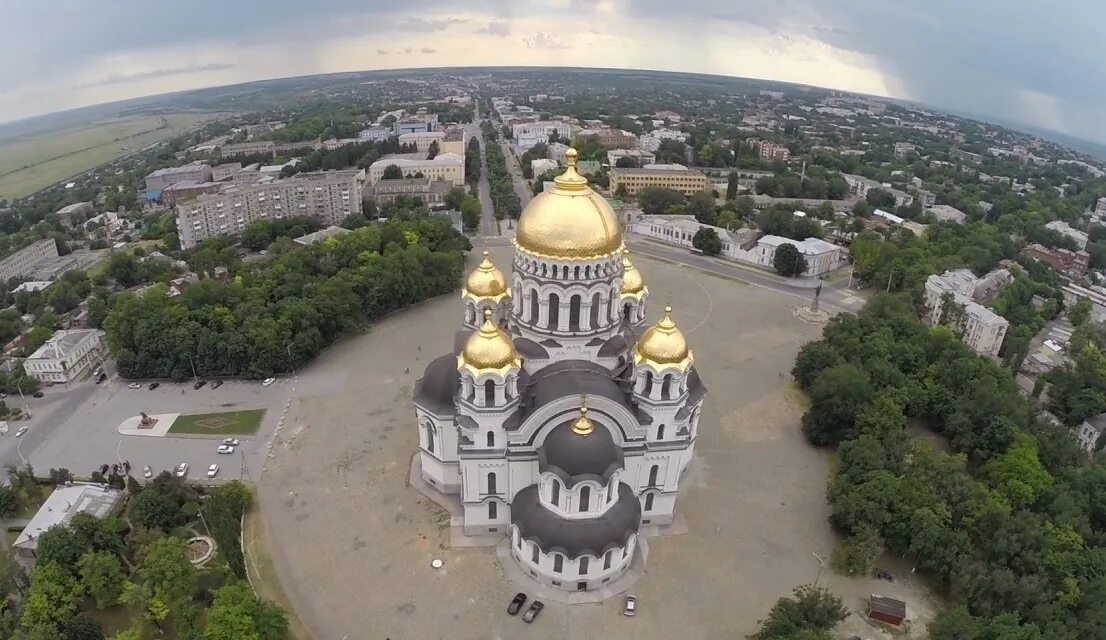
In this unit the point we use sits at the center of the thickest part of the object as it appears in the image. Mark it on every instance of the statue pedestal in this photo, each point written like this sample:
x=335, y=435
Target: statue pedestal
x=811, y=314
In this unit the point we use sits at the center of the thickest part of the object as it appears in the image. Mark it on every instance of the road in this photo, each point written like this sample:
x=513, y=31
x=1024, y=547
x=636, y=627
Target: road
x=488, y=224
x=522, y=187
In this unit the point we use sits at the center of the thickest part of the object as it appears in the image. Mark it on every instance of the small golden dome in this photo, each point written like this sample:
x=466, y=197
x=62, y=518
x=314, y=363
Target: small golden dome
x=583, y=426
x=486, y=281
x=569, y=221
x=632, y=282
x=488, y=349
x=663, y=345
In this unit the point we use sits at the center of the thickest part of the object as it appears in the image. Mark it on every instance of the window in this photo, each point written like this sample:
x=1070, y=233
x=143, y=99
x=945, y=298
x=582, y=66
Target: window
x=491, y=439
x=493, y=510
x=491, y=483
x=554, y=310
x=518, y=542
x=607, y=560
x=584, y=566
x=429, y=437
x=648, y=383
x=533, y=306
x=489, y=394
x=533, y=553
x=555, y=493
x=585, y=498
x=610, y=491
x=660, y=432
x=564, y=273
x=574, y=313
x=666, y=388
x=576, y=273
x=558, y=563
x=594, y=311
x=653, y=471
x=648, y=502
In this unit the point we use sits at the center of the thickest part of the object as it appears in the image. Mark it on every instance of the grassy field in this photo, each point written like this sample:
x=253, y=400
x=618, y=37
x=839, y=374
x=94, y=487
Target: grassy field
x=33, y=161
x=229, y=423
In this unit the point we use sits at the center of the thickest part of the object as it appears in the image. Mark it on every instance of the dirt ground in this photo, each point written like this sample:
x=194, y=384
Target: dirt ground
x=352, y=543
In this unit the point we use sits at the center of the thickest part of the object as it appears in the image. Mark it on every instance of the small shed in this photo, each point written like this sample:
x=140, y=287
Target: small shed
x=886, y=609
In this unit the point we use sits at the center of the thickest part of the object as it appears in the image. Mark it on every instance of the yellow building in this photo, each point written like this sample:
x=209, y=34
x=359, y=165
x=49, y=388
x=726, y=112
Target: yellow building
x=671, y=176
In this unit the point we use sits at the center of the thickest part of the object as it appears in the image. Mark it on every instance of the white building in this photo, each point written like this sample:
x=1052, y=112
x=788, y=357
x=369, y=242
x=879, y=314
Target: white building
x=1089, y=432
x=861, y=186
x=25, y=261
x=1064, y=229
x=444, y=166
x=563, y=422
x=423, y=139
x=541, y=165
x=642, y=156
x=60, y=507
x=821, y=257
x=948, y=213
x=980, y=329
x=375, y=134
x=66, y=356
x=528, y=134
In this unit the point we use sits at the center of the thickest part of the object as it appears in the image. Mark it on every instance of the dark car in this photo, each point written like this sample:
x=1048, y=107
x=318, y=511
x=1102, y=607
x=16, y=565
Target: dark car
x=216, y=384
x=100, y=378
x=531, y=613
x=36, y=394
x=199, y=383
x=516, y=604
x=153, y=385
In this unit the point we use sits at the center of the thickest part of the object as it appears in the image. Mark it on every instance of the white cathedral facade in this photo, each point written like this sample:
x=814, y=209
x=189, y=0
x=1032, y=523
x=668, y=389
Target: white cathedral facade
x=561, y=420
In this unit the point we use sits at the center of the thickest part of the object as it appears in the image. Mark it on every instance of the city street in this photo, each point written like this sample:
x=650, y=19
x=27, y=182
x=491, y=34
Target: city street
x=488, y=225
x=522, y=188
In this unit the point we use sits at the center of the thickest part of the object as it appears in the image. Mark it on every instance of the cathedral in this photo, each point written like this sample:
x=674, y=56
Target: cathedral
x=561, y=420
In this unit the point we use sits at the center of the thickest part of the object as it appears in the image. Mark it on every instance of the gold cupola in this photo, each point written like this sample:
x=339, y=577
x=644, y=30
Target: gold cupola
x=486, y=282
x=664, y=346
x=488, y=349
x=583, y=425
x=570, y=221
x=633, y=285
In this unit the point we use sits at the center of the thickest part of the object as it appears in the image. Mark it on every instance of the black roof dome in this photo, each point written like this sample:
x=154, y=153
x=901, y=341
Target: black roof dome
x=576, y=456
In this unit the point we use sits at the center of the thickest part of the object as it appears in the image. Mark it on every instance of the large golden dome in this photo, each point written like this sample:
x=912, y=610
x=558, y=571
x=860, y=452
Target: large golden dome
x=569, y=221
x=633, y=285
x=488, y=349
x=663, y=345
x=486, y=281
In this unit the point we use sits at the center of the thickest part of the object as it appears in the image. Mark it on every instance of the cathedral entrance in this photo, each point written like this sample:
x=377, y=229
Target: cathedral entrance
x=581, y=586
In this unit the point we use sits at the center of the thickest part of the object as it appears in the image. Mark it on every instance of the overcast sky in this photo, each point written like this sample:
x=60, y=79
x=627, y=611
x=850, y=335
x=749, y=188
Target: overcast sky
x=1028, y=61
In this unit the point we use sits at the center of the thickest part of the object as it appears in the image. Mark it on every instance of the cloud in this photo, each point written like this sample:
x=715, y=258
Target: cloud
x=501, y=29
x=383, y=52
x=545, y=40
x=427, y=26
x=428, y=50
x=121, y=78
x=407, y=49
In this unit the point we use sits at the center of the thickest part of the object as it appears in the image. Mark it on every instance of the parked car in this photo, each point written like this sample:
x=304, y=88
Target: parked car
x=21, y=431
x=216, y=384
x=225, y=448
x=98, y=372
x=36, y=394
x=213, y=470
x=267, y=381
x=231, y=441
x=182, y=469
x=134, y=385
x=631, y=606
x=101, y=377
x=516, y=604
x=153, y=385
x=531, y=613
x=199, y=383
x=147, y=472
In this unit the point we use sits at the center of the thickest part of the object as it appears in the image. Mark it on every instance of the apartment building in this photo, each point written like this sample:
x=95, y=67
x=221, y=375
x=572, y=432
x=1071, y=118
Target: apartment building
x=66, y=356
x=1064, y=229
x=768, y=150
x=904, y=149
x=965, y=156
x=528, y=134
x=668, y=176
x=423, y=139
x=327, y=195
x=1073, y=264
x=194, y=172
x=980, y=329
x=641, y=156
x=860, y=186
x=375, y=134
x=431, y=192
x=225, y=170
x=947, y=213
x=75, y=214
x=444, y=166
x=609, y=138
x=25, y=261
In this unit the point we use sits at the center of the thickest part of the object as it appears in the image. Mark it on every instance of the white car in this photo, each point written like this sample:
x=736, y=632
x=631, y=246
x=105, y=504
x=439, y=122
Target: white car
x=147, y=472
x=631, y=606
x=231, y=441
x=134, y=385
x=225, y=448
x=182, y=469
x=267, y=382
x=21, y=431
x=213, y=470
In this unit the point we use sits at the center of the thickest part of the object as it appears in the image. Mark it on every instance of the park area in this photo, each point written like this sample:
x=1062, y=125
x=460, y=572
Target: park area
x=37, y=159
x=227, y=423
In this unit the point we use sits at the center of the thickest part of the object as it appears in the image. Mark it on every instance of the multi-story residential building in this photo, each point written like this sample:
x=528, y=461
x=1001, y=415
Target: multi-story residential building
x=444, y=166
x=768, y=150
x=327, y=195
x=1100, y=209
x=609, y=138
x=652, y=141
x=542, y=128
x=981, y=329
x=927, y=198
x=1090, y=431
x=375, y=134
x=965, y=156
x=423, y=139
x=25, y=261
x=194, y=172
x=66, y=356
x=1073, y=264
x=947, y=213
x=861, y=186
x=640, y=156
x=248, y=148
x=225, y=170
x=75, y=214
x=1064, y=229
x=668, y=176
x=904, y=149
x=431, y=192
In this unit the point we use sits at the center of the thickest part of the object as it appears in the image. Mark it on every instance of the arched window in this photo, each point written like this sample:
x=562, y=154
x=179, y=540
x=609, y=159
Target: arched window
x=626, y=312
x=564, y=273
x=648, y=502
x=610, y=491
x=648, y=383
x=584, y=565
x=558, y=560
x=491, y=439
x=534, y=306
x=533, y=553
x=666, y=388
x=585, y=499
x=493, y=510
x=574, y=313
x=429, y=437
x=607, y=559
x=491, y=483
x=555, y=493
x=587, y=271
x=653, y=471
x=489, y=393
x=660, y=432
x=518, y=541
x=554, y=311
x=595, y=311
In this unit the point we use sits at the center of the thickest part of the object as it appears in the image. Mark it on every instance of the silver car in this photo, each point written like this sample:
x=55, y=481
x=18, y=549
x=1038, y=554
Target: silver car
x=631, y=606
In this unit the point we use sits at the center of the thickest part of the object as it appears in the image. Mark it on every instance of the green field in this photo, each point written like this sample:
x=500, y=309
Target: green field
x=229, y=423
x=36, y=160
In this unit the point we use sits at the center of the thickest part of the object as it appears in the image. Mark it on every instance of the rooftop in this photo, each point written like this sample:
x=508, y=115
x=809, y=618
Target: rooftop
x=322, y=234
x=61, y=343
x=63, y=504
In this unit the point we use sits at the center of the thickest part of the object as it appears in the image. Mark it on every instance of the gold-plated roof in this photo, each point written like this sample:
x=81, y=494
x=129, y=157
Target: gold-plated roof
x=633, y=285
x=663, y=345
x=569, y=221
x=486, y=281
x=488, y=349
x=583, y=425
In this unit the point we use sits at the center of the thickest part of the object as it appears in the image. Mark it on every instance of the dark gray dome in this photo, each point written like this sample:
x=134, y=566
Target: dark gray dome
x=575, y=457
x=575, y=537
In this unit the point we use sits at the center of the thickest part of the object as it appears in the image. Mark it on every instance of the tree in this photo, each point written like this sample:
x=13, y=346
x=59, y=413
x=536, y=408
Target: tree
x=81, y=627
x=9, y=501
x=813, y=358
x=745, y=206
x=102, y=577
x=470, y=213
x=1080, y=312
x=392, y=172
x=155, y=510
x=701, y=205
x=657, y=200
x=707, y=241
x=454, y=197
x=166, y=572
x=1017, y=474
x=58, y=545
x=810, y=609
x=627, y=162
x=731, y=186
x=236, y=614
x=51, y=601
x=788, y=261
x=433, y=151
x=835, y=398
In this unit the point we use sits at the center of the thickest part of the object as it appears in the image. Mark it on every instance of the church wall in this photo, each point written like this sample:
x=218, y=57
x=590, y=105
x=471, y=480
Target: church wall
x=569, y=575
x=441, y=475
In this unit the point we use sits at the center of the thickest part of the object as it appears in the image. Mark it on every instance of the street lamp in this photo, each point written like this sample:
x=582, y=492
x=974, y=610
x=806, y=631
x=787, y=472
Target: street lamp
x=821, y=565
x=193, y=365
x=291, y=361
